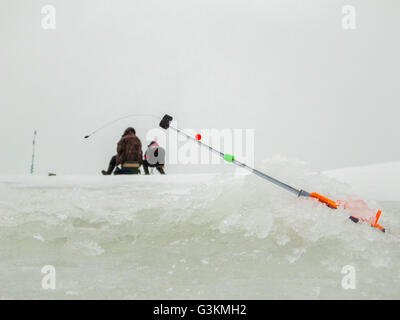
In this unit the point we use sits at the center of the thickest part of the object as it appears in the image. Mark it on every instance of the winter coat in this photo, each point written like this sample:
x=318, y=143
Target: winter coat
x=129, y=149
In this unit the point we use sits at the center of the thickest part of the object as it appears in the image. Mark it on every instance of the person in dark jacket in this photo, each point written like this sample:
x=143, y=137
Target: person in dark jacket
x=129, y=151
x=154, y=157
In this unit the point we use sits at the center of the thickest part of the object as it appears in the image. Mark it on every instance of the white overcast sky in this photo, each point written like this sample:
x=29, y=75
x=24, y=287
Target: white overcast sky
x=284, y=68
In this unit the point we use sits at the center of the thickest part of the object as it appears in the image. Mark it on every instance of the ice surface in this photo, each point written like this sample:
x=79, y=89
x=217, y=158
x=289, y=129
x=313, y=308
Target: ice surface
x=192, y=237
x=379, y=181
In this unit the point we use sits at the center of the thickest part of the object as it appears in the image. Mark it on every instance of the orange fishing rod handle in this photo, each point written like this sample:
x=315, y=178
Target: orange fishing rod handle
x=334, y=205
x=378, y=215
x=330, y=203
x=376, y=225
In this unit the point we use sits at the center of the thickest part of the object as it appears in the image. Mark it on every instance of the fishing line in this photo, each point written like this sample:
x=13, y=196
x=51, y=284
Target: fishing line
x=119, y=119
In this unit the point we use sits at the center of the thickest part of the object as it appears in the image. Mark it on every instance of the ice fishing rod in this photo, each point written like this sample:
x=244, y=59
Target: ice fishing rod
x=165, y=123
x=119, y=119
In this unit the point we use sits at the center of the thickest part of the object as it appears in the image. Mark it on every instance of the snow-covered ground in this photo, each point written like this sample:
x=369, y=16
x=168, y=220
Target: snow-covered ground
x=195, y=236
x=378, y=182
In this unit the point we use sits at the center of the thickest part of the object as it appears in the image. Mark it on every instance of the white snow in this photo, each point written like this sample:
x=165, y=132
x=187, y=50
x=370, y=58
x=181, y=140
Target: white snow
x=377, y=182
x=192, y=237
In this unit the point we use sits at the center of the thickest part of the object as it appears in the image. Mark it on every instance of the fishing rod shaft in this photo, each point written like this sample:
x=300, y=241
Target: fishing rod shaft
x=198, y=141
x=269, y=178
x=243, y=165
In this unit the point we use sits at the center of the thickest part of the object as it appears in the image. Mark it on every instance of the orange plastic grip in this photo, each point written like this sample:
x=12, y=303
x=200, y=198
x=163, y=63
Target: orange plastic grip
x=325, y=200
x=376, y=225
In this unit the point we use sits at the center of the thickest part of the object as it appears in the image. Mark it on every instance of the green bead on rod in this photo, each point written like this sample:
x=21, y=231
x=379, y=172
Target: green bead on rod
x=229, y=157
